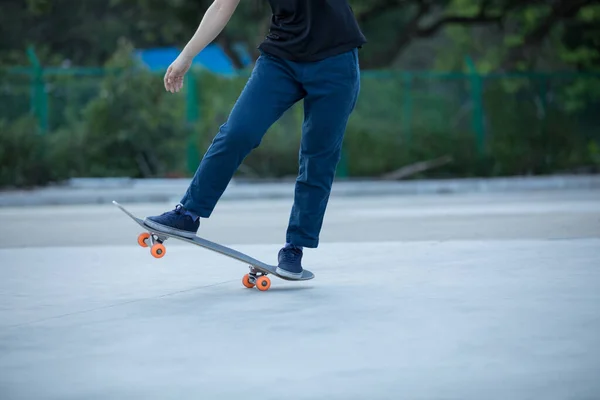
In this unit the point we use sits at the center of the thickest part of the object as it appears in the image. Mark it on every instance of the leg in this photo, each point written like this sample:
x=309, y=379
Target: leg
x=270, y=91
x=332, y=92
x=332, y=87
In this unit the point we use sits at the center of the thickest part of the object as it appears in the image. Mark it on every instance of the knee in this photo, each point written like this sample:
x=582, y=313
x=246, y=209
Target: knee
x=236, y=136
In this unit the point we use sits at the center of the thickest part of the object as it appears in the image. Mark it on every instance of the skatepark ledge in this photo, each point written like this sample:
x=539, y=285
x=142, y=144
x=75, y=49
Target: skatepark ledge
x=125, y=190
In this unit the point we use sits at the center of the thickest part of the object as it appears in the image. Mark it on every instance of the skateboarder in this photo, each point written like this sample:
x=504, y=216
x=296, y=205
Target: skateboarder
x=310, y=54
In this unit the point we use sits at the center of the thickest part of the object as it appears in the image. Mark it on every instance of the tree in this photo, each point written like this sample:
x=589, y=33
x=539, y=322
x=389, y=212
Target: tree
x=86, y=32
x=403, y=21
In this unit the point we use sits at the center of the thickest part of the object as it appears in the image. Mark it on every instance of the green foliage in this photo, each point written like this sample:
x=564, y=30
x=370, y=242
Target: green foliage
x=23, y=160
x=132, y=128
x=392, y=127
x=531, y=135
x=122, y=122
x=87, y=32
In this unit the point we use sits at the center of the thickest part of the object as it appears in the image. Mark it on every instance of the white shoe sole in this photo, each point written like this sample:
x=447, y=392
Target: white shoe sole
x=288, y=274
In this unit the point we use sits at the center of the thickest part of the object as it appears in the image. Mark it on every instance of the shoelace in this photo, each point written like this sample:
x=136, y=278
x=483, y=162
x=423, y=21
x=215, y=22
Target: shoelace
x=182, y=211
x=291, y=255
x=177, y=210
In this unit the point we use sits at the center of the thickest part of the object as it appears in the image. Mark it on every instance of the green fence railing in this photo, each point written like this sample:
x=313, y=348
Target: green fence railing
x=398, y=105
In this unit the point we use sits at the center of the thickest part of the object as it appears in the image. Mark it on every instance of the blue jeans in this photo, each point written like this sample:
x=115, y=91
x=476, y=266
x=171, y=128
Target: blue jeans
x=329, y=89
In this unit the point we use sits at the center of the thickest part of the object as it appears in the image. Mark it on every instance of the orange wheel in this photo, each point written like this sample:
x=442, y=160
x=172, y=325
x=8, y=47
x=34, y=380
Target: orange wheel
x=246, y=281
x=142, y=239
x=158, y=250
x=263, y=283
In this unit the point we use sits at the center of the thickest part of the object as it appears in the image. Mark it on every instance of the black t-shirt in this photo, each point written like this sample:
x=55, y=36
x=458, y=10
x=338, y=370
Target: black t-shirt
x=311, y=30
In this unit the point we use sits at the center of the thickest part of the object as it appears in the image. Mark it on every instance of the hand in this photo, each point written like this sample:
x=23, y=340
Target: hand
x=174, y=76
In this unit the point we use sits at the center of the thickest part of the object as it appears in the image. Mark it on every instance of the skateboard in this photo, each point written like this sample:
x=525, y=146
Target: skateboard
x=257, y=277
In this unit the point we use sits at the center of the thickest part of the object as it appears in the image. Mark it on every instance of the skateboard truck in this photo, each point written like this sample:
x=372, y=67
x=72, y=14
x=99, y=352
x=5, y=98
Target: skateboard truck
x=256, y=278
x=155, y=242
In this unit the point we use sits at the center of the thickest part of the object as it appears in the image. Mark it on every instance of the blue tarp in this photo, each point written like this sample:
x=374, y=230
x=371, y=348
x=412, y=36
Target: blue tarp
x=213, y=58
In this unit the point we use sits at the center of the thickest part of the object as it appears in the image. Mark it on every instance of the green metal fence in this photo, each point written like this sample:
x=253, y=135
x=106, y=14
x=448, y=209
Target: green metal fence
x=396, y=104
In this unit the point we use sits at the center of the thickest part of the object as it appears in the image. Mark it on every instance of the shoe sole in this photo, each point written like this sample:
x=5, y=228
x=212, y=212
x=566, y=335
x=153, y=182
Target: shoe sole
x=288, y=274
x=168, y=229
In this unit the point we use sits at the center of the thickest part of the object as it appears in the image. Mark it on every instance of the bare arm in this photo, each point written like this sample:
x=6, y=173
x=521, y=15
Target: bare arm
x=216, y=17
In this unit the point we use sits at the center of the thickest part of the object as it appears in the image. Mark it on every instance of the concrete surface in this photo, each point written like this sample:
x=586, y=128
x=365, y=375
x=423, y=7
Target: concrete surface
x=125, y=190
x=480, y=296
x=477, y=216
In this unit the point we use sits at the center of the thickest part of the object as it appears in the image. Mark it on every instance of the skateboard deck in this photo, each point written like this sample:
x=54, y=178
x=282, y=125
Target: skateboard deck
x=258, y=269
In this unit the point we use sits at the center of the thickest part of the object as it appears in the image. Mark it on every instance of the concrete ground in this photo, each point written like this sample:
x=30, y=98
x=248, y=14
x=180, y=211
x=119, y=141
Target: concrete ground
x=458, y=296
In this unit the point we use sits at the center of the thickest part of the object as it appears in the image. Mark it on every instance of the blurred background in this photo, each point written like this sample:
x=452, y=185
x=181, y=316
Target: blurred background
x=463, y=87
x=433, y=287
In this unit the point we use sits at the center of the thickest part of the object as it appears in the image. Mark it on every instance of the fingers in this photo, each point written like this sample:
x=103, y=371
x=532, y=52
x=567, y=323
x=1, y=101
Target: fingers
x=167, y=77
x=177, y=83
x=173, y=81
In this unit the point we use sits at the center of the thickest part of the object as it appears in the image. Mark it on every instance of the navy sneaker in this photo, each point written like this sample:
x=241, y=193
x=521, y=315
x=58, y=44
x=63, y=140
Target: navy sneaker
x=177, y=222
x=290, y=262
